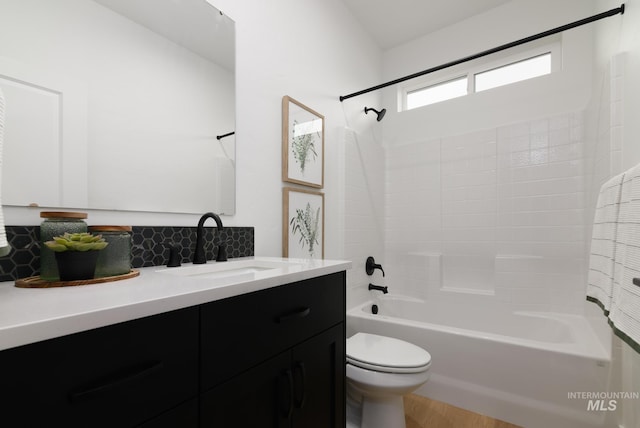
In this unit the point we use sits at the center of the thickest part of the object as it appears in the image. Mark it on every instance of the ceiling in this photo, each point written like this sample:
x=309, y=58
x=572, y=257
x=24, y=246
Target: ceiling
x=197, y=26
x=393, y=23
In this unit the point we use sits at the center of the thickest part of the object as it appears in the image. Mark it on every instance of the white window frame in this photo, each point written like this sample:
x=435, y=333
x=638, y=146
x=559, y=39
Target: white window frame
x=551, y=44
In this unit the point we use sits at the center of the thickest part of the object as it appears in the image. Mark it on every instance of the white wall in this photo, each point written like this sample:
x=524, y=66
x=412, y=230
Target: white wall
x=485, y=195
x=494, y=215
x=312, y=51
x=562, y=92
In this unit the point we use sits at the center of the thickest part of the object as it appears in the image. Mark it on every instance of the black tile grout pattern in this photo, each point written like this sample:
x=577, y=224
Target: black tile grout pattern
x=148, y=246
x=24, y=259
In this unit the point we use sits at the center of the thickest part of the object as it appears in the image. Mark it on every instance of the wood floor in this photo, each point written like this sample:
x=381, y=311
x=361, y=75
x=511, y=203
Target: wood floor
x=421, y=412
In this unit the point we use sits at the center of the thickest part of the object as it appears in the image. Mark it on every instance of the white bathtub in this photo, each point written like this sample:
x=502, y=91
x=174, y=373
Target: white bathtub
x=519, y=367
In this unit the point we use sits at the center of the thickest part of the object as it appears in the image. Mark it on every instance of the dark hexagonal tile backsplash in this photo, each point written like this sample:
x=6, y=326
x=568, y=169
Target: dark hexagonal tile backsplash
x=148, y=247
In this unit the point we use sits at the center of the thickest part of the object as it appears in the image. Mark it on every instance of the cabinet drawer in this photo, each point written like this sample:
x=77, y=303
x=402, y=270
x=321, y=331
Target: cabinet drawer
x=115, y=376
x=240, y=332
x=183, y=416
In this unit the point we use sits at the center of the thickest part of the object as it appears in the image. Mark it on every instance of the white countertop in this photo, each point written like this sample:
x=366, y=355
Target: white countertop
x=29, y=315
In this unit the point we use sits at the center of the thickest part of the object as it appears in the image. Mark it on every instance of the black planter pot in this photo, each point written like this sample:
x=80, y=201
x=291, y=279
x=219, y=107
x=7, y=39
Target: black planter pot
x=76, y=265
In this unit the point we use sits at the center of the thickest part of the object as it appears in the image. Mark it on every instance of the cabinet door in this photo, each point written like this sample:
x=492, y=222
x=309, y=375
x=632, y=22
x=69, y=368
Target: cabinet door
x=319, y=386
x=261, y=397
x=116, y=376
x=183, y=416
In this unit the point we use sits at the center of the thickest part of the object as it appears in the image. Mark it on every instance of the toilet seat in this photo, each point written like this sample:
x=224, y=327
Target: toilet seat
x=386, y=354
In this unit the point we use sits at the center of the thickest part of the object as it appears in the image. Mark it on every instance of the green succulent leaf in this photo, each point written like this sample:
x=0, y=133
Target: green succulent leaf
x=77, y=242
x=53, y=245
x=98, y=245
x=87, y=238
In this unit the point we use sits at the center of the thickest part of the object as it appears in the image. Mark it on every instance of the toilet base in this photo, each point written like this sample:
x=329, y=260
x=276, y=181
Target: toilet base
x=354, y=411
x=383, y=412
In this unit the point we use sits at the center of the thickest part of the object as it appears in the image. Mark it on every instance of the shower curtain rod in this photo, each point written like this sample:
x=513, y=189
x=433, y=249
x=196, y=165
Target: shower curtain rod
x=220, y=137
x=612, y=12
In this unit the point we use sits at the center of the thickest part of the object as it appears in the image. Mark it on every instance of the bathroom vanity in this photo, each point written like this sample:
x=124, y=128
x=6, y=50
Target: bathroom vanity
x=253, y=342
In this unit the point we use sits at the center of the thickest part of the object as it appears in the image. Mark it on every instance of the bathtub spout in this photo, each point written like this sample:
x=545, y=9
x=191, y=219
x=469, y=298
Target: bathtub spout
x=385, y=290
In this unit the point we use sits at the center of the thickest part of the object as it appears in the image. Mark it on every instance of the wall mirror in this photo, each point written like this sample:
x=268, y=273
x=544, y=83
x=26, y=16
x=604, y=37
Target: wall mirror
x=117, y=104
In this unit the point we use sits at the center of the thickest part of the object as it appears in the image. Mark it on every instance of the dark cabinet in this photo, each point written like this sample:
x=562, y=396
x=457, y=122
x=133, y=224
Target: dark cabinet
x=273, y=358
x=255, y=398
x=302, y=387
x=319, y=374
x=255, y=326
x=283, y=363
x=116, y=376
x=185, y=415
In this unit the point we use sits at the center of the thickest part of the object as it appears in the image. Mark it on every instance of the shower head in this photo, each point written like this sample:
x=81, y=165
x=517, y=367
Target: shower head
x=380, y=113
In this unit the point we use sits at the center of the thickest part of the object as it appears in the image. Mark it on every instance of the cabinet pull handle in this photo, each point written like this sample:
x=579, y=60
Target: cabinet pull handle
x=296, y=314
x=105, y=384
x=286, y=393
x=300, y=398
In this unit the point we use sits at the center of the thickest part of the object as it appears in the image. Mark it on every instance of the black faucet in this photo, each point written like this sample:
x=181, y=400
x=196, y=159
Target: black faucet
x=384, y=290
x=199, y=256
x=371, y=265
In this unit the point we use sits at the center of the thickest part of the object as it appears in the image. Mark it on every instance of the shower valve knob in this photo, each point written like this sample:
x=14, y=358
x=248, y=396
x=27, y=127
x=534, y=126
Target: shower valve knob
x=371, y=265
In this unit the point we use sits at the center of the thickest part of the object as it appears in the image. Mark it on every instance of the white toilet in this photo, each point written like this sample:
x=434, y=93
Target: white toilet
x=380, y=370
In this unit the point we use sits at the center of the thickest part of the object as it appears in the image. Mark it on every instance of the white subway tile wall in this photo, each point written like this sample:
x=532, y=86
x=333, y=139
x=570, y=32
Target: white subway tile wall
x=500, y=216
x=499, y=212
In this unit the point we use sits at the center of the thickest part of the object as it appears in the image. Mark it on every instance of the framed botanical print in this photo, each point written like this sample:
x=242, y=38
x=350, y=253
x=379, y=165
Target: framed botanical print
x=302, y=144
x=302, y=223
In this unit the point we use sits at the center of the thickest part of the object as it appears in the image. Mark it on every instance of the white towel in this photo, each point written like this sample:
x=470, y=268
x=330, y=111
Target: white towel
x=603, y=244
x=625, y=303
x=4, y=245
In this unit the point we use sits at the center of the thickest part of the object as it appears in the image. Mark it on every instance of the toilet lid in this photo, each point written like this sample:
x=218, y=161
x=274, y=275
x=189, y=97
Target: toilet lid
x=386, y=354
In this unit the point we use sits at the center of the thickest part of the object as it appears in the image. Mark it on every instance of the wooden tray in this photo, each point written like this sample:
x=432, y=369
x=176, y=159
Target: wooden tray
x=37, y=282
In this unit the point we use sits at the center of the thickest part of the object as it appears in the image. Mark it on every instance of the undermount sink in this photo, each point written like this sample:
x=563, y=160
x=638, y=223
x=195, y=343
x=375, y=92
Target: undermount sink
x=226, y=269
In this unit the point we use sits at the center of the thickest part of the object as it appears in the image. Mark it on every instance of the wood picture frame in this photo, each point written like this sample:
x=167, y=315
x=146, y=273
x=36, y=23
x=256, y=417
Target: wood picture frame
x=302, y=144
x=302, y=223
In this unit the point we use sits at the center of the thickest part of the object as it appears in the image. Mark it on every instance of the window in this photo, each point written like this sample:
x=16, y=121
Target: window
x=436, y=93
x=481, y=75
x=515, y=72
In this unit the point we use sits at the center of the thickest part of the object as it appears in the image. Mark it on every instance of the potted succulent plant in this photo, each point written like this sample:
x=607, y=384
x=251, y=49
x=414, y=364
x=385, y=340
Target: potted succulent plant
x=76, y=254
